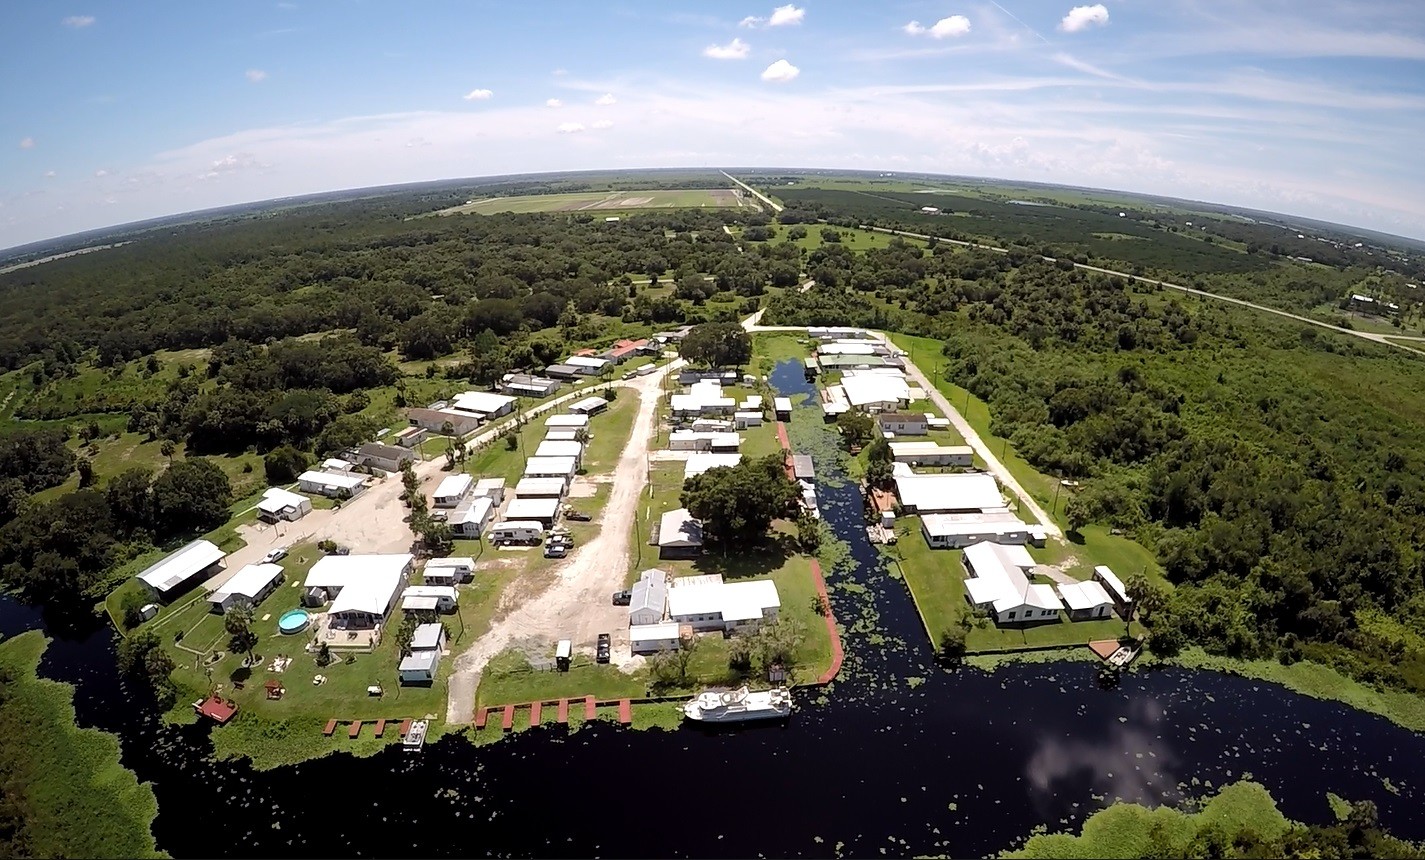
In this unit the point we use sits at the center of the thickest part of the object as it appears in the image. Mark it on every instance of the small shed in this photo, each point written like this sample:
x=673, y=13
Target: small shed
x=802, y=468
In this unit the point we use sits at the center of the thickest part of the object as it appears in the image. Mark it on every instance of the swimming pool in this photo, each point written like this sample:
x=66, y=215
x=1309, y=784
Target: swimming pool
x=294, y=621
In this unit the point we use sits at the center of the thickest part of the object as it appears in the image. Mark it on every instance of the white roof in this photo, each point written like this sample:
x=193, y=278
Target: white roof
x=181, y=565
x=554, y=448
x=844, y=348
x=1084, y=595
x=515, y=525
x=335, y=465
x=340, y=571
x=567, y=421
x=700, y=461
x=679, y=528
x=426, y=637
x=753, y=401
x=715, y=438
x=539, y=487
x=696, y=403
x=275, y=499
x=339, y=480
x=782, y=404
x=588, y=404
x=451, y=561
x=532, y=509
x=425, y=596
x=734, y=601
x=482, y=402
x=650, y=592
x=998, y=522
x=454, y=485
x=1112, y=583
x=968, y=491
x=561, y=434
x=653, y=632
x=489, y=484
x=864, y=390
x=586, y=361
x=424, y=660
x=249, y=581
x=999, y=579
x=474, y=510
x=370, y=592
x=923, y=447
x=543, y=467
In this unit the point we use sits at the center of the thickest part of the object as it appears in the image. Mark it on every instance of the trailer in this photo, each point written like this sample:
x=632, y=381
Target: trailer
x=525, y=532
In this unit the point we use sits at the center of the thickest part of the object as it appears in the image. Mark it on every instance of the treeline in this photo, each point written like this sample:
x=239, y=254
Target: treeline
x=63, y=551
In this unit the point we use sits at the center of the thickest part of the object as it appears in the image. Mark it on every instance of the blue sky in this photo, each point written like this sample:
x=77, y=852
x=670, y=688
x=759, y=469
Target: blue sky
x=114, y=111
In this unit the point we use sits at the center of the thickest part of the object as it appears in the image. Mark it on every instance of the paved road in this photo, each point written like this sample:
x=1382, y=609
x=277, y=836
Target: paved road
x=972, y=438
x=776, y=207
x=1364, y=335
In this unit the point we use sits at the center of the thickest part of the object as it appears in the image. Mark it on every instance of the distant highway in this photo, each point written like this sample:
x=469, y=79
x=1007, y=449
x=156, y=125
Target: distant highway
x=776, y=207
x=1364, y=335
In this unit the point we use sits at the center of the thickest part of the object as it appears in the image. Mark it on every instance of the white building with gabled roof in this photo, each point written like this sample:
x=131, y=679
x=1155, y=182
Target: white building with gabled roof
x=969, y=492
x=650, y=598
x=1086, y=600
x=279, y=504
x=452, y=490
x=248, y=587
x=707, y=602
x=486, y=404
x=177, y=571
x=999, y=583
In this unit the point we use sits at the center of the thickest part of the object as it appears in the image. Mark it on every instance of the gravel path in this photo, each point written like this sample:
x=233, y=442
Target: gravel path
x=576, y=605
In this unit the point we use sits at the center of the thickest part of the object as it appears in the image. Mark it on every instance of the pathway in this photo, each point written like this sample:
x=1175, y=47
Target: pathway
x=776, y=207
x=576, y=605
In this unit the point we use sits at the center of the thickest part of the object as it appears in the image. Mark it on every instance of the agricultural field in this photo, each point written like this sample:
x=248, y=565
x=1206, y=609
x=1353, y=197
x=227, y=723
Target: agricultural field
x=606, y=201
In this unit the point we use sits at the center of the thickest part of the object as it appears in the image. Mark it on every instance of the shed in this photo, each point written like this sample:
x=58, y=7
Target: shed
x=589, y=406
x=782, y=406
x=802, y=468
x=679, y=535
x=543, y=511
x=279, y=504
x=436, y=598
x=178, y=571
x=470, y=517
x=652, y=638
x=650, y=598
x=249, y=586
x=419, y=667
x=427, y=637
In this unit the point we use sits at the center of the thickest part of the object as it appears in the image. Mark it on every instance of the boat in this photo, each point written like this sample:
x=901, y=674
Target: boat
x=734, y=706
x=416, y=736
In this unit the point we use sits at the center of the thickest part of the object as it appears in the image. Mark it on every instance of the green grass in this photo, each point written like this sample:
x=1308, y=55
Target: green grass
x=852, y=238
x=78, y=800
x=936, y=579
x=598, y=202
x=770, y=349
x=1127, y=830
x=609, y=434
x=509, y=680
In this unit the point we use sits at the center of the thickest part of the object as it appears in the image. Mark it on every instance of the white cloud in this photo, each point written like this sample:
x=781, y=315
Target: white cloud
x=780, y=72
x=257, y=76
x=77, y=21
x=605, y=100
x=955, y=25
x=784, y=15
x=602, y=123
x=479, y=95
x=734, y=50
x=27, y=143
x=101, y=173
x=570, y=127
x=751, y=21
x=50, y=174
x=1083, y=17
x=553, y=103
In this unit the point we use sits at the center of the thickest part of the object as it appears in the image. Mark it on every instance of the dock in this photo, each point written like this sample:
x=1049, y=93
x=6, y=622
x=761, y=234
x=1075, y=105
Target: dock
x=405, y=728
x=355, y=729
x=331, y=727
x=625, y=711
x=509, y=719
x=589, y=708
x=380, y=728
x=482, y=716
x=563, y=710
x=534, y=714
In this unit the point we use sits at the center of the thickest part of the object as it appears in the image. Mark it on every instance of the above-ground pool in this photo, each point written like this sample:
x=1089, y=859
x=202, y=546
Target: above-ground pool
x=294, y=621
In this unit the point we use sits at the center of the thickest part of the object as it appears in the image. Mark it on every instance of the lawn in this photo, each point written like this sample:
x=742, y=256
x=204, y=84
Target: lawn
x=936, y=577
x=852, y=238
x=771, y=349
x=609, y=434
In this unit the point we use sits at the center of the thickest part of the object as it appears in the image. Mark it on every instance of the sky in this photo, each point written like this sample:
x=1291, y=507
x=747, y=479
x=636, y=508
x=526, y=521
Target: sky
x=117, y=111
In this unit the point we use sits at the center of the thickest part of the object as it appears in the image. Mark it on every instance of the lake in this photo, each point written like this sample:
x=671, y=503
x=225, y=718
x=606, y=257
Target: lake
x=902, y=757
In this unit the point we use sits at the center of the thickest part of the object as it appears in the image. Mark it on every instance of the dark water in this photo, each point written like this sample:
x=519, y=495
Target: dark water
x=902, y=758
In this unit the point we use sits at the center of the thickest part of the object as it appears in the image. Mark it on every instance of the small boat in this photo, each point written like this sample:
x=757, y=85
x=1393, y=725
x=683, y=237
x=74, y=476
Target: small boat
x=734, y=706
x=416, y=736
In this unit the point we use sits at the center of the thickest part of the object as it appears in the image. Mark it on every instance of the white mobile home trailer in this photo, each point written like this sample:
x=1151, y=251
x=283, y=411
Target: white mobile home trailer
x=932, y=454
x=543, y=511
x=551, y=467
x=279, y=504
x=471, y=516
x=452, y=490
x=449, y=571
x=331, y=484
x=540, y=488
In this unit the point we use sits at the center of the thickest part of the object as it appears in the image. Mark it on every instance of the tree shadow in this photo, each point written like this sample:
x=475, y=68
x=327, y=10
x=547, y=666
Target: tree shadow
x=240, y=674
x=740, y=562
x=1075, y=537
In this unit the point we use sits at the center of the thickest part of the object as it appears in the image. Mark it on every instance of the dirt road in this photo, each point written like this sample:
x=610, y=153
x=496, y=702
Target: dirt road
x=776, y=207
x=576, y=605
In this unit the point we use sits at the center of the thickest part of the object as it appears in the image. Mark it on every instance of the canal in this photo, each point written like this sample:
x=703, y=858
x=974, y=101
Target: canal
x=899, y=757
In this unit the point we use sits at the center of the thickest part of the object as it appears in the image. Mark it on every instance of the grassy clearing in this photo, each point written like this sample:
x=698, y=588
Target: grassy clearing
x=1130, y=830
x=852, y=238
x=609, y=434
x=78, y=800
x=598, y=202
x=771, y=349
x=936, y=579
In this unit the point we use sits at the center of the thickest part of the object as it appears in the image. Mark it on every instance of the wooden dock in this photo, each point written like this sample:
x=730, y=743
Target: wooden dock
x=380, y=728
x=330, y=729
x=563, y=710
x=590, y=709
x=355, y=729
x=405, y=728
x=534, y=714
x=625, y=711
x=509, y=719
x=482, y=716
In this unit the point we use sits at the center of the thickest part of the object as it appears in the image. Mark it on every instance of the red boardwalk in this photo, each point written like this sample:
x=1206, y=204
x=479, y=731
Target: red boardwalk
x=331, y=727
x=405, y=728
x=380, y=728
x=563, y=710
x=481, y=716
x=589, y=708
x=837, y=655
x=534, y=713
x=625, y=711
x=509, y=721
x=355, y=729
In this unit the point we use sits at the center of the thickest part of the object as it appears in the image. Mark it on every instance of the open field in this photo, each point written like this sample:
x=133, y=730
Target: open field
x=611, y=201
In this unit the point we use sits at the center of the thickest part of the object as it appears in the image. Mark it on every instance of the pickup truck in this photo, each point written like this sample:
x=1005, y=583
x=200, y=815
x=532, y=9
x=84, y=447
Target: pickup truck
x=601, y=652
x=578, y=516
x=623, y=598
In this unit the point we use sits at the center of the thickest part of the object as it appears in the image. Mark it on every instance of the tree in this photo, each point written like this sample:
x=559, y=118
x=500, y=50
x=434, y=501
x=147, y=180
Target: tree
x=953, y=642
x=717, y=344
x=437, y=536
x=1148, y=598
x=808, y=532
x=683, y=657
x=740, y=651
x=167, y=448
x=130, y=499
x=158, y=667
x=880, y=463
x=191, y=495
x=131, y=608
x=284, y=463
x=856, y=426
x=407, y=632
x=737, y=504
x=237, y=621
x=778, y=642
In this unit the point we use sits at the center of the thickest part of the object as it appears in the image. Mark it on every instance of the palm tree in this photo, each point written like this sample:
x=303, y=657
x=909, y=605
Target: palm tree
x=237, y=621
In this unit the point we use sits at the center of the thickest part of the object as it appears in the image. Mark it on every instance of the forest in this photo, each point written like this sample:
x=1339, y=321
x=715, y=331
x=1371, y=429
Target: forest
x=1274, y=469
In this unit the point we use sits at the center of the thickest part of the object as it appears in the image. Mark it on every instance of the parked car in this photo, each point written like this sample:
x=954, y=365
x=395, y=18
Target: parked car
x=275, y=555
x=601, y=654
x=555, y=550
x=623, y=598
x=578, y=516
